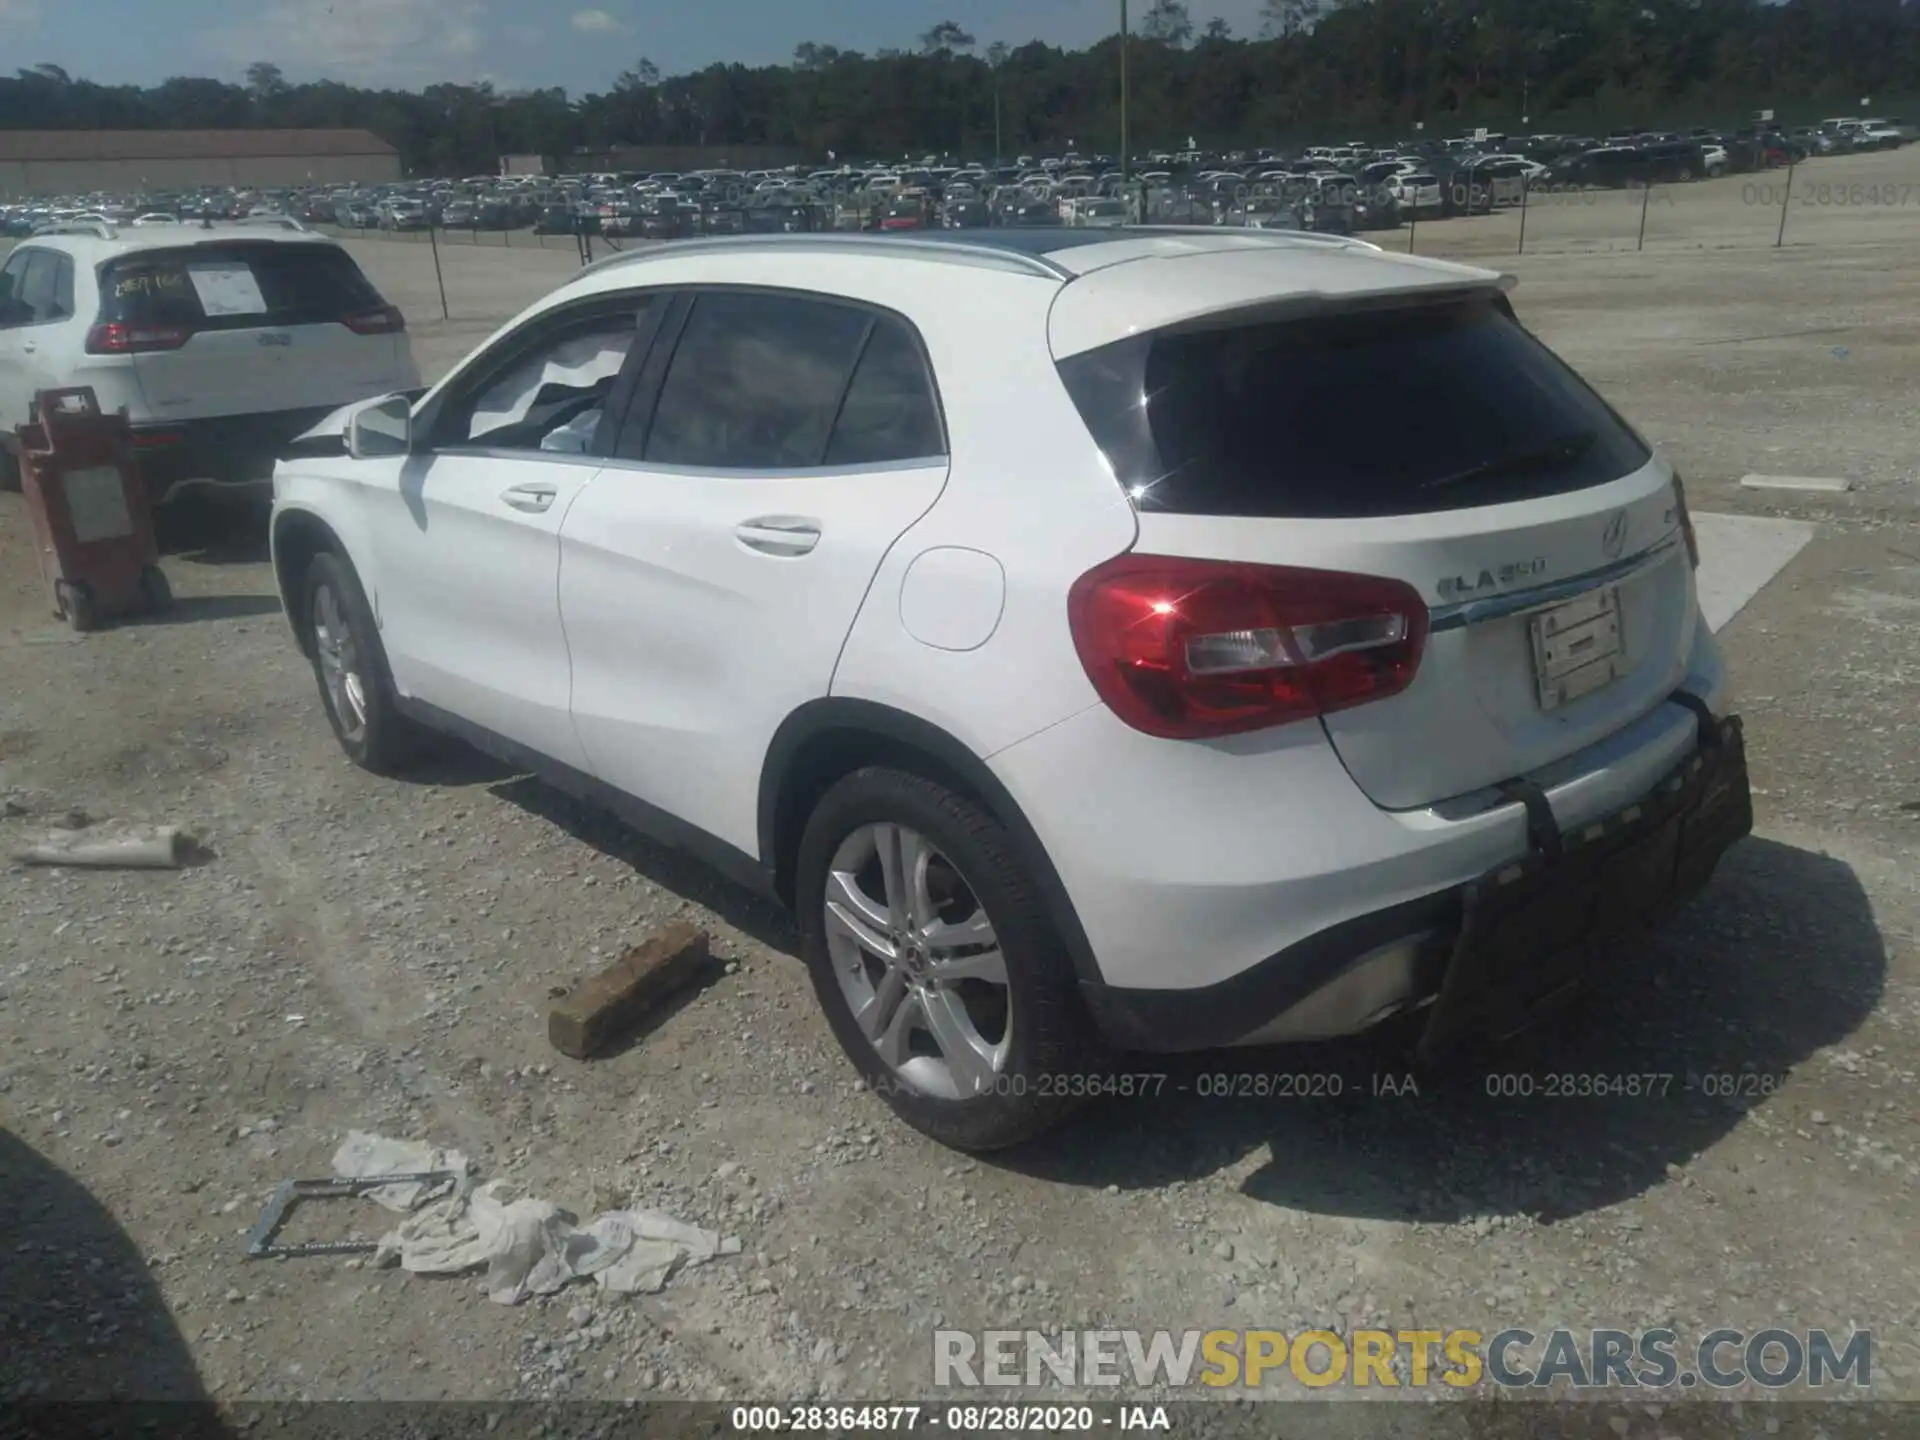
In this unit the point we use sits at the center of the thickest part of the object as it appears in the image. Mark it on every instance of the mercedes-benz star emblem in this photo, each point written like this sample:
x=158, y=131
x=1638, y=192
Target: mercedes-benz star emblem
x=1615, y=539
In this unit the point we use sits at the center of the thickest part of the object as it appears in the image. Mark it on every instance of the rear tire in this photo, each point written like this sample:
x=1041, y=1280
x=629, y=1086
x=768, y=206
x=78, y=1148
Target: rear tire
x=974, y=1033
x=350, y=666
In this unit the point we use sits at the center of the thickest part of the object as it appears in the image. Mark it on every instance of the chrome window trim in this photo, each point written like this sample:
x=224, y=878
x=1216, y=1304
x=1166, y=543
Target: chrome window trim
x=501, y=452
x=804, y=472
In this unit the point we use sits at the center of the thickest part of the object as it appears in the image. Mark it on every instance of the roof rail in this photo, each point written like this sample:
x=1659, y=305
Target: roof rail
x=98, y=229
x=1317, y=237
x=841, y=242
x=280, y=222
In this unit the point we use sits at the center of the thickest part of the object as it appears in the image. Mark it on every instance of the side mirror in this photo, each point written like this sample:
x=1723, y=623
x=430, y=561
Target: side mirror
x=383, y=427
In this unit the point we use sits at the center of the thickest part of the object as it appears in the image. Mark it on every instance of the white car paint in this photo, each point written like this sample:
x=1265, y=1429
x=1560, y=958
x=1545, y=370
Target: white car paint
x=257, y=370
x=465, y=583
x=738, y=591
x=632, y=632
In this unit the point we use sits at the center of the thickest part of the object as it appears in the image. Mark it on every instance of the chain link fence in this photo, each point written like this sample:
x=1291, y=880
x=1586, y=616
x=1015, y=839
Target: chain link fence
x=1826, y=201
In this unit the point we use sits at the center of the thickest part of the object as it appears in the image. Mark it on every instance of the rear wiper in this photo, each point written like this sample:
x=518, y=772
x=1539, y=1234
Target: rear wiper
x=1549, y=459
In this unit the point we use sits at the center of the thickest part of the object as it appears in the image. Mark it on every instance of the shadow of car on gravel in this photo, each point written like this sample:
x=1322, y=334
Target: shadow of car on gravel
x=455, y=765
x=197, y=609
x=214, y=530
x=81, y=1319
x=1777, y=958
x=670, y=869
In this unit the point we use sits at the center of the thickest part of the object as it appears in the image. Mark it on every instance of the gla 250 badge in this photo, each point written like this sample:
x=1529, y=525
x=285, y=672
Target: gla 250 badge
x=1459, y=587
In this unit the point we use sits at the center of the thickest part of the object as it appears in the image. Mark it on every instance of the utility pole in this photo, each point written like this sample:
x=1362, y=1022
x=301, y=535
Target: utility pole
x=1123, y=91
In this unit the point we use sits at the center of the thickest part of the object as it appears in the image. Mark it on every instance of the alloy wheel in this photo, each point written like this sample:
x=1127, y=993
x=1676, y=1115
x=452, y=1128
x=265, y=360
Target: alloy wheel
x=340, y=668
x=918, y=962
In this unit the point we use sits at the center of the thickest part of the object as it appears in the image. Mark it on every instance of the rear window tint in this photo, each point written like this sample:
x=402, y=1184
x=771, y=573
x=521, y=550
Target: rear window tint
x=888, y=413
x=756, y=382
x=235, y=286
x=1399, y=411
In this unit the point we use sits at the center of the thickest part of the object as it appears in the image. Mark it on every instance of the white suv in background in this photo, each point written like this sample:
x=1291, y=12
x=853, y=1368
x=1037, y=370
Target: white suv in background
x=1044, y=619
x=223, y=342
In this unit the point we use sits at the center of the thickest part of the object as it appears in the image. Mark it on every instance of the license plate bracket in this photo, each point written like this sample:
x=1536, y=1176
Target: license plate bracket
x=1578, y=647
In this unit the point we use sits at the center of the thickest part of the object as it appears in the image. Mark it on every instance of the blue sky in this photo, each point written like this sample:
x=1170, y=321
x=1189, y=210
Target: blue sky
x=580, y=44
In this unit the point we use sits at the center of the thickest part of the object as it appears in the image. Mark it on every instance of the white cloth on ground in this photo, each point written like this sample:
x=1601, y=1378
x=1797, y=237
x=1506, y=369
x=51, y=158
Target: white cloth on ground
x=533, y=1247
x=362, y=1155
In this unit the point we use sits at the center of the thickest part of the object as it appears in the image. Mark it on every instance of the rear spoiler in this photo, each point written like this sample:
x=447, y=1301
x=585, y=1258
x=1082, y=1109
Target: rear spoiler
x=1237, y=283
x=1316, y=302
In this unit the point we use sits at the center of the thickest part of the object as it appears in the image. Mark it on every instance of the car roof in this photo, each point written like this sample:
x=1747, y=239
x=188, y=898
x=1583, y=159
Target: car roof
x=1111, y=282
x=94, y=245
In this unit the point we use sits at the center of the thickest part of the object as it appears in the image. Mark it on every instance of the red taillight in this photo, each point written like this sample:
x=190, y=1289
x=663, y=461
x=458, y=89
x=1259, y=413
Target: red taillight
x=118, y=339
x=387, y=320
x=1187, y=649
x=1686, y=520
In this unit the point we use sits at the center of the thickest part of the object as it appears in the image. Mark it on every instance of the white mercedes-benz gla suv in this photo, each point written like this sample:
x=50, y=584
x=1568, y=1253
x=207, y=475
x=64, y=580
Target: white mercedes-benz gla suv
x=1101, y=639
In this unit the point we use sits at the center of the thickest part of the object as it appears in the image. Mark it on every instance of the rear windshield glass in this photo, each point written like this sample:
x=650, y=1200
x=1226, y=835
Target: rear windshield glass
x=1398, y=411
x=235, y=285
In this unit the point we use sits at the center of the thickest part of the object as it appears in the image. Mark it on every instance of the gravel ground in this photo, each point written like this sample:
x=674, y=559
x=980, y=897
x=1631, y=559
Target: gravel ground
x=374, y=954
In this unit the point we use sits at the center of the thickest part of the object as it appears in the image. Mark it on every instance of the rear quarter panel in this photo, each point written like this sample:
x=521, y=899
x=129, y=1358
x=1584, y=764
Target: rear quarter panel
x=1028, y=487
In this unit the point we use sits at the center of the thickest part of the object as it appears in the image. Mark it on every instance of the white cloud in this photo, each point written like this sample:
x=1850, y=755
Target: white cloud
x=595, y=22
x=359, y=42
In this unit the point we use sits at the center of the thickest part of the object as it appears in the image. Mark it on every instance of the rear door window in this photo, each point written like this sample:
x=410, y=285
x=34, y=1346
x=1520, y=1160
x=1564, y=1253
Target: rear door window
x=889, y=413
x=13, y=275
x=236, y=286
x=756, y=382
x=1390, y=411
x=43, y=293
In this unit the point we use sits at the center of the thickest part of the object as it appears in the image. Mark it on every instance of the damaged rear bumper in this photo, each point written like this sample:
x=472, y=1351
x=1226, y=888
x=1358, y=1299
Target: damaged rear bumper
x=1484, y=959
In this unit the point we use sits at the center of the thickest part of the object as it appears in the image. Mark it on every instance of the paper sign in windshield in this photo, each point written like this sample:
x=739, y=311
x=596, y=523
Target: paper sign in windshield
x=227, y=290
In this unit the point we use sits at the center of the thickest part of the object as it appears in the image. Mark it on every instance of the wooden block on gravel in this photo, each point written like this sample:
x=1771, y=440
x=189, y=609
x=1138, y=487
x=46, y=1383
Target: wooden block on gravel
x=605, y=1005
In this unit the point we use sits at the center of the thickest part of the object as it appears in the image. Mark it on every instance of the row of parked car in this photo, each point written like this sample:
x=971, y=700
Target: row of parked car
x=1333, y=188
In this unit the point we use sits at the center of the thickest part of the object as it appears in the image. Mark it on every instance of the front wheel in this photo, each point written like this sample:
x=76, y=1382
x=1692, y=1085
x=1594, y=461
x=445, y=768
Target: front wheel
x=352, y=670
x=938, y=969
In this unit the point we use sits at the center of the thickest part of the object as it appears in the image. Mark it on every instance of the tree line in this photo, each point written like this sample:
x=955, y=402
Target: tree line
x=1317, y=69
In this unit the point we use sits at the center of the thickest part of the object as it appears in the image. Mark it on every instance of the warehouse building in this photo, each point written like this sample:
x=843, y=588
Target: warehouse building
x=80, y=162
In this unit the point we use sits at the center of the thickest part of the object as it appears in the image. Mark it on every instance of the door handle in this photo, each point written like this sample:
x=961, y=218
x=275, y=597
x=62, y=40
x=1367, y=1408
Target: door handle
x=784, y=535
x=534, y=499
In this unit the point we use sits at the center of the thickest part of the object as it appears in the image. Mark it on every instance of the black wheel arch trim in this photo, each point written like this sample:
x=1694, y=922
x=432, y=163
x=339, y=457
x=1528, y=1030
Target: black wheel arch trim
x=292, y=601
x=844, y=714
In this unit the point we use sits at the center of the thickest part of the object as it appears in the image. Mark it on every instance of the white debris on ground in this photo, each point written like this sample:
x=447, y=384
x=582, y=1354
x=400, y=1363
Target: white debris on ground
x=153, y=847
x=362, y=1155
x=527, y=1245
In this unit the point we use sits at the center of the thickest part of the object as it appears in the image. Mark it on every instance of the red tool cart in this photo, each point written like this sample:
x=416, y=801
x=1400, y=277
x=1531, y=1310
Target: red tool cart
x=92, y=525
